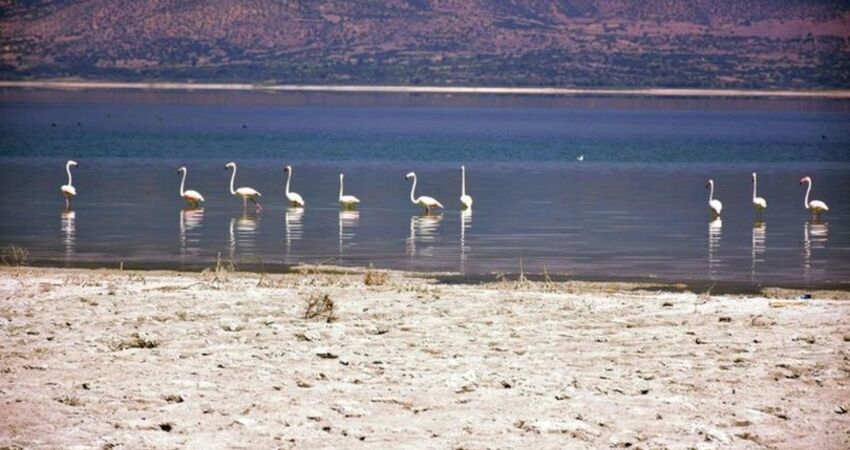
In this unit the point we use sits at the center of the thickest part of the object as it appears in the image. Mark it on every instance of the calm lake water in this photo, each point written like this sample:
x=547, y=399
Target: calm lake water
x=636, y=208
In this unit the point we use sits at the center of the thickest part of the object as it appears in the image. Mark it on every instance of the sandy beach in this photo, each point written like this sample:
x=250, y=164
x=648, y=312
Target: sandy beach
x=443, y=90
x=114, y=359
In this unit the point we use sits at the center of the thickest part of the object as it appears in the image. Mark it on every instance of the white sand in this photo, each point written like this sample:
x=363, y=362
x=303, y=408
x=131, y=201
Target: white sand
x=411, y=364
x=466, y=90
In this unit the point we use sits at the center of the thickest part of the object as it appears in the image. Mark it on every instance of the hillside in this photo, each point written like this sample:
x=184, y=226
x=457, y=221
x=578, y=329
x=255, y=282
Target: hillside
x=763, y=44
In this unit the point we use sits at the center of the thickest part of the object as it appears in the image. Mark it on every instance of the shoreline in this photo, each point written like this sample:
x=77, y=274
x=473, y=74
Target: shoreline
x=109, y=358
x=576, y=283
x=834, y=94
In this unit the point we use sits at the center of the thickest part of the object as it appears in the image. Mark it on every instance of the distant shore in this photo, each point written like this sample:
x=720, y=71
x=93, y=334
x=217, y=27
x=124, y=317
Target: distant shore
x=445, y=90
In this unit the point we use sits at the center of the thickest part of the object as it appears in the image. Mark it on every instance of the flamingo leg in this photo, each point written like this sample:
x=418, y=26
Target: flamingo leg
x=256, y=204
x=67, y=203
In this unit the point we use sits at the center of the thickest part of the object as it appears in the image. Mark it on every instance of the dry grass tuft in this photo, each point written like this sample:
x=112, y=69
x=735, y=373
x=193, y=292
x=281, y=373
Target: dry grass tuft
x=218, y=276
x=138, y=340
x=14, y=256
x=320, y=306
x=69, y=400
x=375, y=278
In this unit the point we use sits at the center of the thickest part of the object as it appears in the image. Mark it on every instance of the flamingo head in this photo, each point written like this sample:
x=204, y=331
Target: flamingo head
x=410, y=175
x=462, y=168
x=805, y=180
x=340, y=176
x=72, y=163
x=181, y=169
x=230, y=165
x=709, y=184
x=754, y=176
x=287, y=168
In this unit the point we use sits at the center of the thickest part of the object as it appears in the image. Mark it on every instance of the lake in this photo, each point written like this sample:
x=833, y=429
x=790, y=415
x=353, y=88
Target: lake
x=636, y=208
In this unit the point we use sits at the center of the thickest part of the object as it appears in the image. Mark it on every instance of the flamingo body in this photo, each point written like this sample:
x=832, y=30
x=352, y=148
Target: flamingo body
x=293, y=198
x=68, y=190
x=245, y=193
x=424, y=201
x=346, y=201
x=465, y=200
x=193, y=197
x=816, y=207
x=759, y=203
x=715, y=205
x=248, y=193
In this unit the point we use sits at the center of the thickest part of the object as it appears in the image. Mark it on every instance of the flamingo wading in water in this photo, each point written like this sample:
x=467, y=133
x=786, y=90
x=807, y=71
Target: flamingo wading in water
x=816, y=207
x=347, y=201
x=424, y=201
x=246, y=193
x=193, y=197
x=465, y=200
x=713, y=204
x=293, y=198
x=759, y=203
x=69, y=190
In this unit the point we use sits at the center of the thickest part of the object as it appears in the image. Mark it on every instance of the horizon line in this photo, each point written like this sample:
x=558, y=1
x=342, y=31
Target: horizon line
x=842, y=94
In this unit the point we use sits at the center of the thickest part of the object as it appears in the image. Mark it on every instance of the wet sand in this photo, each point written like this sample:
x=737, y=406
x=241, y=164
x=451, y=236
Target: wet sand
x=445, y=90
x=112, y=359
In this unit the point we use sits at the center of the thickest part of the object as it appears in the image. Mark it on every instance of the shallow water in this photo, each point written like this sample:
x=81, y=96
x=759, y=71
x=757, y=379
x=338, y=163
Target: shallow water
x=635, y=208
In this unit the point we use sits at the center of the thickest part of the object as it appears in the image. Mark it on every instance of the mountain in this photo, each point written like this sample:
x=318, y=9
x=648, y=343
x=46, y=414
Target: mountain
x=763, y=44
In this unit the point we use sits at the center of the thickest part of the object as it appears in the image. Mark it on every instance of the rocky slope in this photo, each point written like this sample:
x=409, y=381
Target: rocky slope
x=702, y=43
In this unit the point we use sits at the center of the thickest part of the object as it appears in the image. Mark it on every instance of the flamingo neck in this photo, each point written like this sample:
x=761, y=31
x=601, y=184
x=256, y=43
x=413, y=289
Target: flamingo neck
x=463, y=182
x=68, y=169
x=711, y=192
x=340, y=188
x=288, y=177
x=182, y=184
x=755, y=187
x=232, y=179
x=806, y=200
x=412, y=189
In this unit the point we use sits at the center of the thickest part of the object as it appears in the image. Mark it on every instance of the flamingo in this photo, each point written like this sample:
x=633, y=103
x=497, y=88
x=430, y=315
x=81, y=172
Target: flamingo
x=817, y=207
x=347, y=201
x=193, y=197
x=759, y=203
x=580, y=158
x=246, y=193
x=294, y=199
x=465, y=200
x=714, y=204
x=424, y=201
x=68, y=190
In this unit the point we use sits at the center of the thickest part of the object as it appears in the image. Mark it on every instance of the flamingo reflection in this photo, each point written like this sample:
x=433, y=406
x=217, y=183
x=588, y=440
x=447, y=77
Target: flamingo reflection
x=759, y=244
x=715, y=232
x=465, y=223
x=69, y=231
x=348, y=221
x=423, y=229
x=815, y=237
x=292, y=223
x=243, y=233
x=190, y=219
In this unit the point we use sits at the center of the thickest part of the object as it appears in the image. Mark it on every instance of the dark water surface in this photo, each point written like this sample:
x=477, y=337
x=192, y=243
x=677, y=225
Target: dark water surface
x=635, y=208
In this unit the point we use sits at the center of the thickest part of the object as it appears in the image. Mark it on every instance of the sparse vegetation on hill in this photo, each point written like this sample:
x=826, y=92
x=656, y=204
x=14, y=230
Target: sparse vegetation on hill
x=796, y=44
